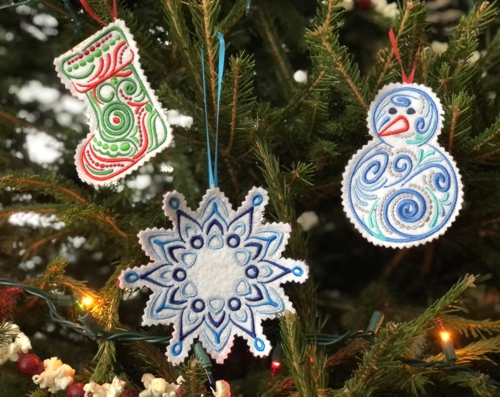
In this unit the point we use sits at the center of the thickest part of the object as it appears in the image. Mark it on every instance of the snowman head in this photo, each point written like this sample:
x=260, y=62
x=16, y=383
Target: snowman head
x=405, y=114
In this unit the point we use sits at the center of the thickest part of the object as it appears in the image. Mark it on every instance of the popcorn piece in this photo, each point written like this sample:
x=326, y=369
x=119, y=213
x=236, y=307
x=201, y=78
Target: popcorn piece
x=387, y=10
x=95, y=390
x=438, y=47
x=222, y=389
x=115, y=389
x=308, y=220
x=20, y=344
x=159, y=387
x=300, y=76
x=57, y=376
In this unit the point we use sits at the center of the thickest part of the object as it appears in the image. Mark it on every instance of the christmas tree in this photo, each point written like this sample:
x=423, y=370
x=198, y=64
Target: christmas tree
x=285, y=107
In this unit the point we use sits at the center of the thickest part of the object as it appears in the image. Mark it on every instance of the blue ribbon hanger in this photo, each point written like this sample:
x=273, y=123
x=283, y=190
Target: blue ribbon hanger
x=212, y=172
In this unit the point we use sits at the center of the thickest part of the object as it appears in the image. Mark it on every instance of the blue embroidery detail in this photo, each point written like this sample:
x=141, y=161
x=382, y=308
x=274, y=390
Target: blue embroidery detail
x=257, y=200
x=252, y=271
x=259, y=344
x=131, y=277
x=177, y=348
x=401, y=197
x=174, y=203
x=234, y=304
x=186, y=271
x=179, y=274
x=297, y=271
x=196, y=242
x=198, y=305
x=233, y=241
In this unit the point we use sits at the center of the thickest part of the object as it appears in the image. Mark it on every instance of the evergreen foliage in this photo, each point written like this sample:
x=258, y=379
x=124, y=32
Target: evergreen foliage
x=293, y=139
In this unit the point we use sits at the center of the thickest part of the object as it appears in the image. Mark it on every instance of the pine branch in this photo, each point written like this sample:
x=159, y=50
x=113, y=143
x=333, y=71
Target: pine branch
x=39, y=393
x=452, y=69
x=409, y=26
x=305, y=363
x=5, y=214
x=64, y=191
x=153, y=360
x=54, y=186
x=475, y=351
x=476, y=383
x=296, y=102
x=458, y=121
x=205, y=14
x=55, y=274
x=280, y=196
x=234, y=113
x=381, y=362
x=194, y=378
x=180, y=36
x=105, y=358
x=330, y=56
x=280, y=200
x=7, y=334
x=233, y=17
x=270, y=37
x=474, y=328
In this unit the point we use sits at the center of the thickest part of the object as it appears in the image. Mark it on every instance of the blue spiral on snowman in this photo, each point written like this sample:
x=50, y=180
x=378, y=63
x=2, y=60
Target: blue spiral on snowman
x=402, y=188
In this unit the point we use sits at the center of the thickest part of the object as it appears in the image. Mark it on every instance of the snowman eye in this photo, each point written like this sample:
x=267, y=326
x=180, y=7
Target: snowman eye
x=392, y=111
x=410, y=111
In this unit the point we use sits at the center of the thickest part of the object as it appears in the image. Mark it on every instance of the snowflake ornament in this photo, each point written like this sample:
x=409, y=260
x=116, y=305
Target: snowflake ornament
x=216, y=274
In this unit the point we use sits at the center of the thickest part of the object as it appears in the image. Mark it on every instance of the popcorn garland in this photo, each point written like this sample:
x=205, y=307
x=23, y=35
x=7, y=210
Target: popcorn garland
x=56, y=376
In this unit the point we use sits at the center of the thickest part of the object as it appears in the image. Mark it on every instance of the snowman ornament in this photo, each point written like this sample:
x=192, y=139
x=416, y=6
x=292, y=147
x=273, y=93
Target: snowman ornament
x=402, y=189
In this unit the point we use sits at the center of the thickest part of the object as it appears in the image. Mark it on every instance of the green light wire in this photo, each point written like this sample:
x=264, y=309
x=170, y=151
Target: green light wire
x=83, y=330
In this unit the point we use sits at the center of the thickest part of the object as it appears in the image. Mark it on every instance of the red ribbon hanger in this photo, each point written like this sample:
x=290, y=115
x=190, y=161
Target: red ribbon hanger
x=93, y=14
x=406, y=79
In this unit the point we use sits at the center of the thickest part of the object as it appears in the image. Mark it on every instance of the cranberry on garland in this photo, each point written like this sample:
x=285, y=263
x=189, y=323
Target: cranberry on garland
x=30, y=365
x=131, y=393
x=75, y=390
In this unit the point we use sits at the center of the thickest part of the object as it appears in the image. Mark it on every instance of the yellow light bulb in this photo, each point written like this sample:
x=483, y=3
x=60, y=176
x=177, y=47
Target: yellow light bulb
x=87, y=301
x=445, y=336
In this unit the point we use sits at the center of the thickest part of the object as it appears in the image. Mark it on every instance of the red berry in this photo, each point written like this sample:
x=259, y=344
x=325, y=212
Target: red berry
x=75, y=390
x=130, y=393
x=30, y=365
x=363, y=4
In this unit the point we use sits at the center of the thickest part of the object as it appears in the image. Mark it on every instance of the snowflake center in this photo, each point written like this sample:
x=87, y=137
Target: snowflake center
x=210, y=276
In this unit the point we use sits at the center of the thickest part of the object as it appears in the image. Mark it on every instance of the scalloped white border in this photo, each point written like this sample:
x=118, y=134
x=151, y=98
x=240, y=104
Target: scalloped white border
x=92, y=120
x=257, y=226
x=346, y=176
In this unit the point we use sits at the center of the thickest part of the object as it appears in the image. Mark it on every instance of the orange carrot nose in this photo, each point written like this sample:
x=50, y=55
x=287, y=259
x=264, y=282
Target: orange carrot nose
x=397, y=126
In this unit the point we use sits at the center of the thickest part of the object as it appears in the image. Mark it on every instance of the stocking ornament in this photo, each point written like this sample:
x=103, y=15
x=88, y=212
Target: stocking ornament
x=127, y=123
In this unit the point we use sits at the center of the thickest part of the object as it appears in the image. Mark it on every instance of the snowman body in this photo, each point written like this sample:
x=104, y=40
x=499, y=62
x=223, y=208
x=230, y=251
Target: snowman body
x=402, y=189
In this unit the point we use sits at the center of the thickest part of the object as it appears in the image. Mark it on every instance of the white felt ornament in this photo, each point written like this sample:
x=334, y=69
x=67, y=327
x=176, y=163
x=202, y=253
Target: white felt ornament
x=159, y=387
x=57, y=376
x=216, y=274
x=402, y=189
x=127, y=123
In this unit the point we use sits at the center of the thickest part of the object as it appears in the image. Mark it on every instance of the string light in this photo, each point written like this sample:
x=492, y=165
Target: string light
x=447, y=346
x=87, y=301
x=90, y=327
x=205, y=363
x=277, y=358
